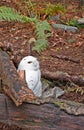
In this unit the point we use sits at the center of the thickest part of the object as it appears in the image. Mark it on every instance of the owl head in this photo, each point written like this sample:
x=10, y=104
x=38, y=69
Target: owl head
x=29, y=63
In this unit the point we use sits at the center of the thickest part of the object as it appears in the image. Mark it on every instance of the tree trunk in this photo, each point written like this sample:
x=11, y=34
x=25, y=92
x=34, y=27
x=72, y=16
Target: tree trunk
x=12, y=84
x=38, y=117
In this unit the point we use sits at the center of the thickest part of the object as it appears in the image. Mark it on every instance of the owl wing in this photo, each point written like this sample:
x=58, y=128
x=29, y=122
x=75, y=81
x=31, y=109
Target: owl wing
x=39, y=74
x=38, y=89
x=32, y=79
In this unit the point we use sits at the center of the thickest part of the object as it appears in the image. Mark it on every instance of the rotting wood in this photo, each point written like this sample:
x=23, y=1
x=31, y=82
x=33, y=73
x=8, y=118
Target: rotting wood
x=70, y=107
x=63, y=76
x=38, y=117
x=13, y=86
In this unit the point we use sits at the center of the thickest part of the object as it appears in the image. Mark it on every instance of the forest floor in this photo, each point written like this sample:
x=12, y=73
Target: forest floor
x=16, y=35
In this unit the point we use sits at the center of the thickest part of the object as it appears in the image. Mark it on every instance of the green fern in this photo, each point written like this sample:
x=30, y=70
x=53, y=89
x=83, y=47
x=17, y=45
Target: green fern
x=74, y=22
x=43, y=31
x=40, y=45
x=43, y=28
x=53, y=8
x=10, y=14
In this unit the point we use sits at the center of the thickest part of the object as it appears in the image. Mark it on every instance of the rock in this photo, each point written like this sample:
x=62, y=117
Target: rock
x=49, y=93
x=59, y=92
x=53, y=92
x=65, y=27
x=50, y=90
x=55, y=18
x=81, y=21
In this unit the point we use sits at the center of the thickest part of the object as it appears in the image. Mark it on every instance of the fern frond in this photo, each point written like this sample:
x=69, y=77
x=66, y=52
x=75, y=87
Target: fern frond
x=53, y=8
x=41, y=27
x=42, y=42
x=26, y=19
x=8, y=14
x=40, y=45
x=1, y=17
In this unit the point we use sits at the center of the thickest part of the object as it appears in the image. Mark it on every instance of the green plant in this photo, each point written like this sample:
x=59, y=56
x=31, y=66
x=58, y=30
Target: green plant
x=10, y=14
x=76, y=89
x=51, y=9
x=30, y=8
x=74, y=22
x=43, y=31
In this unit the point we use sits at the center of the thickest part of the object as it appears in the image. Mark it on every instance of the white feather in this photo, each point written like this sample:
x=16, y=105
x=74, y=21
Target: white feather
x=32, y=74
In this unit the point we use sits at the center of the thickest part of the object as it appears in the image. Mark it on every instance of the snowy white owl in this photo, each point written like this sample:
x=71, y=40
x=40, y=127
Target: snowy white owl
x=32, y=74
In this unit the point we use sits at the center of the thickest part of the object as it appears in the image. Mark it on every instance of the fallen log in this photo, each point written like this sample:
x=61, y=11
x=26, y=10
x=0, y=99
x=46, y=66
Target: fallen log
x=15, y=87
x=62, y=76
x=37, y=117
x=66, y=58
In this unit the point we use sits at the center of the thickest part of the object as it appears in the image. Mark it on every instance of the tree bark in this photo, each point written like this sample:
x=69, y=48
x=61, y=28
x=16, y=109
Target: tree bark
x=38, y=117
x=15, y=87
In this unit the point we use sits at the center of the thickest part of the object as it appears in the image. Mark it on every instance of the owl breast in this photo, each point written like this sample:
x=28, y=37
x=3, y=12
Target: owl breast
x=32, y=78
x=32, y=74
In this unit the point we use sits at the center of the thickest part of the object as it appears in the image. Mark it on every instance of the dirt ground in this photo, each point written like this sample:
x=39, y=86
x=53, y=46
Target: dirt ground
x=15, y=36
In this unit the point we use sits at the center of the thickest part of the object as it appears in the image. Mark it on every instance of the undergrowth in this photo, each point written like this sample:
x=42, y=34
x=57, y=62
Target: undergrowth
x=43, y=28
x=74, y=22
x=76, y=89
x=52, y=9
x=42, y=35
x=40, y=9
x=33, y=12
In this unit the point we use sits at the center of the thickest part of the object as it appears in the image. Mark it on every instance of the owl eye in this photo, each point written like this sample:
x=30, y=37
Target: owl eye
x=24, y=59
x=29, y=62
